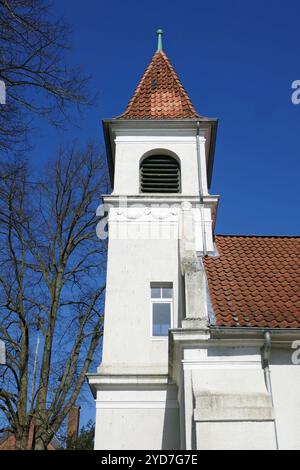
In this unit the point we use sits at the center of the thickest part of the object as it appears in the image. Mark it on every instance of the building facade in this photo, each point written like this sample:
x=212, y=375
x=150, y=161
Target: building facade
x=201, y=332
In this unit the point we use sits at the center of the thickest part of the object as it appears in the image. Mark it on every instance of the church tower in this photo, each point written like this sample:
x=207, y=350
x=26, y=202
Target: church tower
x=160, y=223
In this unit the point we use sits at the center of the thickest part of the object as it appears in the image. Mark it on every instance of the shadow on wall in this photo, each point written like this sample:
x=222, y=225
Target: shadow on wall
x=171, y=427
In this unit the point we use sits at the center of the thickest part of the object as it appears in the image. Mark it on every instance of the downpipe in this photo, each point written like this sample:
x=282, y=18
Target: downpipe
x=201, y=189
x=266, y=355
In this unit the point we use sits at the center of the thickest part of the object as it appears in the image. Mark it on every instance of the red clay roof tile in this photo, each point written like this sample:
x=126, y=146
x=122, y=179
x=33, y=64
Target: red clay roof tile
x=160, y=94
x=255, y=281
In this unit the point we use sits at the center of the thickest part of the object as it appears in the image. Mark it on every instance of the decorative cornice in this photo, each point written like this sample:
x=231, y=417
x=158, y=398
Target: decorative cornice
x=127, y=379
x=101, y=404
x=160, y=199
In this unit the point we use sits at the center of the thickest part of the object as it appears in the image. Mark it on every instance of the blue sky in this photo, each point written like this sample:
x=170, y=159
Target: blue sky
x=237, y=59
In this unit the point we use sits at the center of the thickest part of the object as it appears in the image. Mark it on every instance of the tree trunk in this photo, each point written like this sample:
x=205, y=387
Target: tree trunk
x=22, y=440
x=40, y=443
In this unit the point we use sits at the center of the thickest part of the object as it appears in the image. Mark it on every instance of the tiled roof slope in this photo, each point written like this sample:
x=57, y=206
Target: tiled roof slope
x=160, y=94
x=255, y=281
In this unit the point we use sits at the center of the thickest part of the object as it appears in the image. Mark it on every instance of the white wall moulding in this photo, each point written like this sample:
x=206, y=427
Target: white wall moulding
x=120, y=381
x=144, y=405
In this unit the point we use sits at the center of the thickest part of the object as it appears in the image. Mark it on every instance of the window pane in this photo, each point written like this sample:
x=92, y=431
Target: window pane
x=161, y=319
x=155, y=292
x=167, y=292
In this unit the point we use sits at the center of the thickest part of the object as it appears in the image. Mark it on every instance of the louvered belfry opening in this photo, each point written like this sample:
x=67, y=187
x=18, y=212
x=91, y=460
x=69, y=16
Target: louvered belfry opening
x=160, y=174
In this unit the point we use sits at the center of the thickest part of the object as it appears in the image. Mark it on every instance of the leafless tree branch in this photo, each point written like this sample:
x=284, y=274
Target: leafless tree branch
x=33, y=66
x=51, y=266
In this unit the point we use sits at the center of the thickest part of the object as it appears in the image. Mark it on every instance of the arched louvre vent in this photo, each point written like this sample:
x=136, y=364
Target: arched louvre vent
x=160, y=174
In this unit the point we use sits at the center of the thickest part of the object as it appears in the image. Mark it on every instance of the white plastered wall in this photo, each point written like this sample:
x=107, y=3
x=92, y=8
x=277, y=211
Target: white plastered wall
x=285, y=378
x=130, y=150
x=132, y=266
x=137, y=418
x=227, y=405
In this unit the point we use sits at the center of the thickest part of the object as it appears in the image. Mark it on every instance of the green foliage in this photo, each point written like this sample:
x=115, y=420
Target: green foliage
x=85, y=440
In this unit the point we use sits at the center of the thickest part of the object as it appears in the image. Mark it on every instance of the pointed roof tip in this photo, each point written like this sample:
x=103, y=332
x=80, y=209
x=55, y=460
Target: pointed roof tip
x=160, y=94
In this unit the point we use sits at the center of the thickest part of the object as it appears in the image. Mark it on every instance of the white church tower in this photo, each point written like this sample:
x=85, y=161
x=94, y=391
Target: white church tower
x=160, y=219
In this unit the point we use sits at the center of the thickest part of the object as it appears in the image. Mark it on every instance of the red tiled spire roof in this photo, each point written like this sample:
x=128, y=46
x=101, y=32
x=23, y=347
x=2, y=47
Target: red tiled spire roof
x=255, y=281
x=160, y=94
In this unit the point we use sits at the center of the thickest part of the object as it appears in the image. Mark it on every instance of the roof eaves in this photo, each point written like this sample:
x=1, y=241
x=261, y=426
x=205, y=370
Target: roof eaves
x=254, y=236
x=288, y=334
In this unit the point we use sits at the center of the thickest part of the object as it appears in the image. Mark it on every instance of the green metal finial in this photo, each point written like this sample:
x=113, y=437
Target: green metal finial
x=159, y=40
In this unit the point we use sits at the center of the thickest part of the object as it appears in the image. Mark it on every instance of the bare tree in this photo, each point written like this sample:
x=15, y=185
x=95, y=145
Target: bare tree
x=51, y=290
x=34, y=69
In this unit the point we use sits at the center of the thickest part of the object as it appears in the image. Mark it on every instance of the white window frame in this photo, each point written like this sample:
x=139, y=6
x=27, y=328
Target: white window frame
x=170, y=300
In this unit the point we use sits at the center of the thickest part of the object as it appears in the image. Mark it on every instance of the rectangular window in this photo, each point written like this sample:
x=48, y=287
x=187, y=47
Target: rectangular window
x=161, y=309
